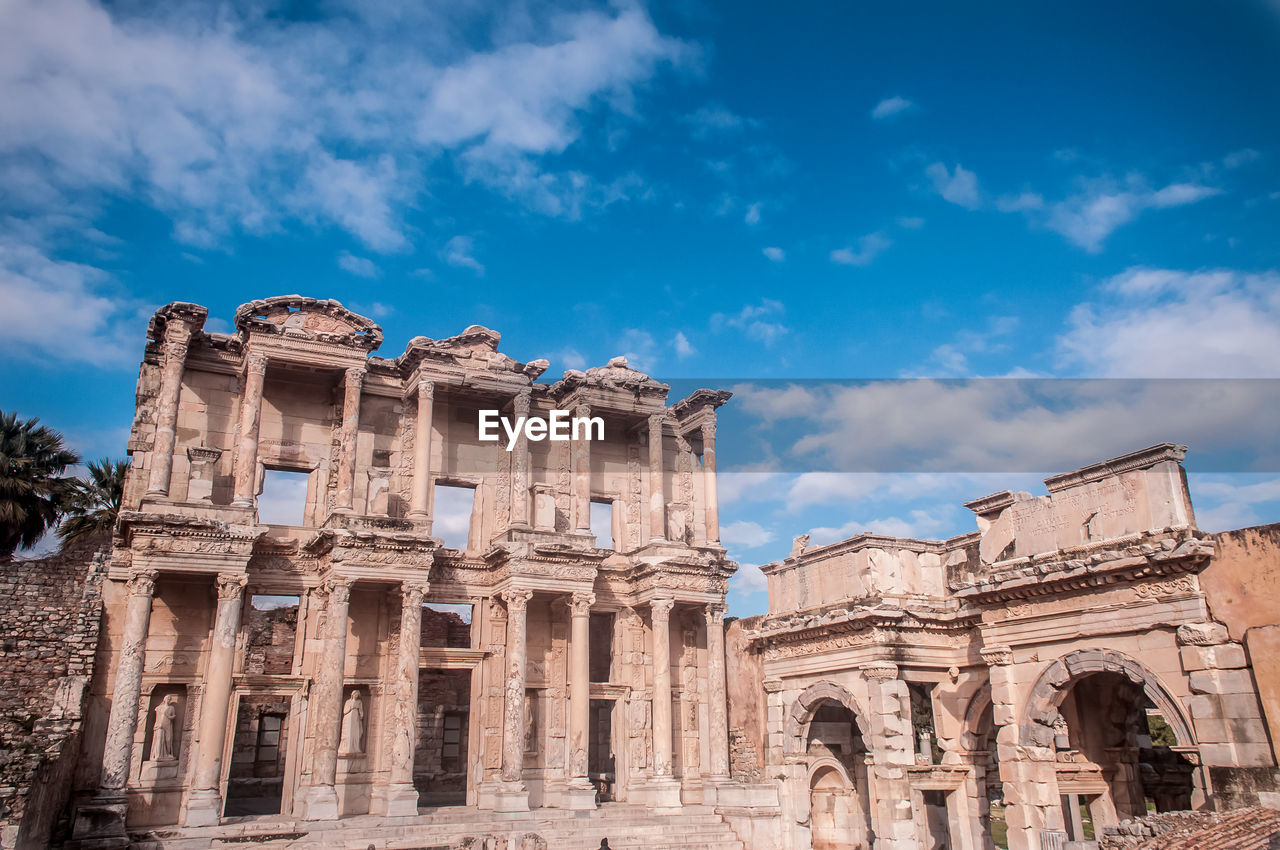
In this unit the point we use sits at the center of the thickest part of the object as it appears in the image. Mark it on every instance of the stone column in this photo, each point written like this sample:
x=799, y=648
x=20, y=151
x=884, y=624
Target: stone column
x=520, y=466
x=709, y=482
x=401, y=796
x=890, y=723
x=122, y=723
x=255, y=372
x=344, y=500
x=513, y=796
x=716, y=692
x=661, y=610
x=421, y=496
x=326, y=703
x=204, y=804
x=581, y=792
x=657, y=506
x=177, y=337
x=582, y=474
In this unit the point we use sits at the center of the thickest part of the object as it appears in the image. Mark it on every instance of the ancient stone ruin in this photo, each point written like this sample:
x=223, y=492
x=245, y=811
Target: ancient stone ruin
x=332, y=616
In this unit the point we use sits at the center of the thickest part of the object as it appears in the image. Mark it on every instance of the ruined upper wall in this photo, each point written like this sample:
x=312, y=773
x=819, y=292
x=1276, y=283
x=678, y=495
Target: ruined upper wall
x=1143, y=492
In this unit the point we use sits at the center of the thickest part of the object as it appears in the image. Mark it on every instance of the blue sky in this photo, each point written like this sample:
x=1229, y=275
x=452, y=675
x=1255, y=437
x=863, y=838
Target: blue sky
x=721, y=191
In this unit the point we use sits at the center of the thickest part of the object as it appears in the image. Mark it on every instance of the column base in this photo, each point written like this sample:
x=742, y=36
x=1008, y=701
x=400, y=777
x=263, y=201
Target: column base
x=204, y=808
x=580, y=795
x=657, y=793
x=321, y=803
x=395, y=800
x=511, y=797
x=99, y=823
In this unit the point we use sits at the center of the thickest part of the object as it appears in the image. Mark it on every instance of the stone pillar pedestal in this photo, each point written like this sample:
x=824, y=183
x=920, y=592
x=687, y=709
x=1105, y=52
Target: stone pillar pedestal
x=399, y=798
x=664, y=791
x=420, y=498
x=204, y=803
x=344, y=499
x=321, y=800
x=511, y=794
x=246, y=471
x=101, y=822
x=890, y=722
x=581, y=794
x=718, y=708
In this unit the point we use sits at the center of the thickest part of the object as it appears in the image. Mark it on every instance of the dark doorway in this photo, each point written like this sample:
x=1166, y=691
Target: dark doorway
x=600, y=760
x=444, y=722
x=255, y=780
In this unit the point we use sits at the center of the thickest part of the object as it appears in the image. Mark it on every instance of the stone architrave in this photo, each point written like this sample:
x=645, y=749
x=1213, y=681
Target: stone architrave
x=246, y=471
x=204, y=804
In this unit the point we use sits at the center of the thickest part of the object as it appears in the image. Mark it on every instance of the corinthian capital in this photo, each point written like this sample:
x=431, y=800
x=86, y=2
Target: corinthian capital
x=412, y=593
x=231, y=585
x=581, y=603
x=661, y=608
x=142, y=583
x=355, y=376
x=517, y=600
x=714, y=612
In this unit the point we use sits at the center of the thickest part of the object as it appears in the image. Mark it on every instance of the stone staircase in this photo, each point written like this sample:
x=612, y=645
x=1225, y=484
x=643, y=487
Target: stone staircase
x=626, y=826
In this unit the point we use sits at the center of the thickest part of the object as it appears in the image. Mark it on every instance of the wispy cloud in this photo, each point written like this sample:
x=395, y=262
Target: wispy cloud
x=753, y=214
x=358, y=266
x=869, y=247
x=682, y=346
x=1091, y=215
x=458, y=253
x=757, y=321
x=890, y=107
x=959, y=186
x=715, y=120
x=775, y=254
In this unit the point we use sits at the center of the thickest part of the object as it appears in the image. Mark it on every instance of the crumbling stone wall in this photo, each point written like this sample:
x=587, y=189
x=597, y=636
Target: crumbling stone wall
x=51, y=609
x=747, y=710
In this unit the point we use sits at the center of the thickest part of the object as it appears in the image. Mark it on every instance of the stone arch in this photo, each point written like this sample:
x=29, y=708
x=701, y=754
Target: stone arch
x=1053, y=684
x=803, y=709
x=971, y=731
x=828, y=764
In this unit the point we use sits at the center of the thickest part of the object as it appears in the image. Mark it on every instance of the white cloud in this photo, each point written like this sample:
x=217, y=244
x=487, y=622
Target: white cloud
x=755, y=320
x=571, y=358
x=227, y=119
x=716, y=120
x=753, y=214
x=1088, y=217
x=959, y=186
x=1020, y=203
x=777, y=255
x=746, y=534
x=683, y=347
x=920, y=524
x=869, y=247
x=749, y=579
x=640, y=349
x=458, y=253
x=358, y=266
x=891, y=106
x=1226, y=502
x=1151, y=323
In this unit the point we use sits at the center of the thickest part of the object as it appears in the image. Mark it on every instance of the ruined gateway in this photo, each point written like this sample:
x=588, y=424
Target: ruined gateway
x=349, y=681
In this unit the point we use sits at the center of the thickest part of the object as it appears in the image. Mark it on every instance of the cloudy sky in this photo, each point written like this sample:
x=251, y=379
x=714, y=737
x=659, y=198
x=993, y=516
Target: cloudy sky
x=725, y=194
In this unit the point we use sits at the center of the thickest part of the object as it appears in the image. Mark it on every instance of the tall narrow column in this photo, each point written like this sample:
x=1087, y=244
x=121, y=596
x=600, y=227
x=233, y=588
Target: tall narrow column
x=657, y=506
x=204, y=805
x=421, y=495
x=661, y=609
x=520, y=465
x=401, y=796
x=582, y=473
x=716, y=692
x=255, y=372
x=345, y=498
x=177, y=337
x=122, y=724
x=709, y=481
x=580, y=700
x=322, y=796
x=514, y=797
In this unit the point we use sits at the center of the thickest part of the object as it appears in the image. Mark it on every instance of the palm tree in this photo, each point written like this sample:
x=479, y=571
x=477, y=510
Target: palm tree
x=97, y=501
x=34, y=492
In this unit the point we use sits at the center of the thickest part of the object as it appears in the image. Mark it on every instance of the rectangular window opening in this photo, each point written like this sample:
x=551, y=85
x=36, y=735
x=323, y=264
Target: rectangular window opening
x=446, y=626
x=283, y=500
x=602, y=524
x=271, y=627
x=600, y=649
x=453, y=507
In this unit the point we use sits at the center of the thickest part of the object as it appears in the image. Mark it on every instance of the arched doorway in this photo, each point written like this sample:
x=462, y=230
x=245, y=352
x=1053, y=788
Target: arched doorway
x=839, y=798
x=979, y=741
x=1122, y=744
